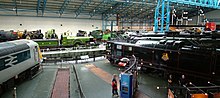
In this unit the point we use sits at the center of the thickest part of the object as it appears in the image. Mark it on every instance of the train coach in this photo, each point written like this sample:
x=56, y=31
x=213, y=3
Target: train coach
x=19, y=60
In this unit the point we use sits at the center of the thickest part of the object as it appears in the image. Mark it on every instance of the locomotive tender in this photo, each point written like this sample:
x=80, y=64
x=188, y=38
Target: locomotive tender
x=19, y=60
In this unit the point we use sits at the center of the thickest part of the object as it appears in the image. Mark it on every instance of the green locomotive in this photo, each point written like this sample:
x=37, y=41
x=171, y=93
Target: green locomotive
x=67, y=40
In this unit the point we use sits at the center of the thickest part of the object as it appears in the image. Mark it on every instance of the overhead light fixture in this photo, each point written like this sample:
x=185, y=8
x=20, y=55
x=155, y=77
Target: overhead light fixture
x=13, y=8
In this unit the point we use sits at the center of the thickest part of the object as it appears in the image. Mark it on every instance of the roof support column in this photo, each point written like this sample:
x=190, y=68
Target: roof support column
x=38, y=6
x=104, y=21
x=44, y=6
x=16, y=9
x=162, y=15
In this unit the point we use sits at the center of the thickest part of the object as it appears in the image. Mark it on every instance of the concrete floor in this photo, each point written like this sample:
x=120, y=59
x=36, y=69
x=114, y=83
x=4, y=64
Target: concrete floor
x=39, y=87
x=92, y=85
x=147, y=82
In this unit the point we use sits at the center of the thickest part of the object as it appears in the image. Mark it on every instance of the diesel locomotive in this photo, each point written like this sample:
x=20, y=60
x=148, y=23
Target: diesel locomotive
x=19, y=60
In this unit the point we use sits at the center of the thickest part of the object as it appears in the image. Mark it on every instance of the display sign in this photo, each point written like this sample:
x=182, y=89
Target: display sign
x=126, y=89
x=130, y=48
x=118, y=47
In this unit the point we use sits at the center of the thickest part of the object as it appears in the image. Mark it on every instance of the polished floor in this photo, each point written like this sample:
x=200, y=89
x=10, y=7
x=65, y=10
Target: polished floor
x=95, y=82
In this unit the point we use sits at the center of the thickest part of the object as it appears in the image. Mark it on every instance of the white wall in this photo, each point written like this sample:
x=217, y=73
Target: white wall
x=36, y=23
x=210, y=15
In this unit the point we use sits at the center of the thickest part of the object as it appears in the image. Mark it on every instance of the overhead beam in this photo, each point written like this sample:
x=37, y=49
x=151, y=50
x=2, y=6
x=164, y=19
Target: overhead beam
x=63, y=7
x=114, y=8
x=162, y=12
x=162, y=16
x=203, y=3
x=44, y=7
x=135, y=2
x=97, y=8
x=82, y=7
x=126, y=9
x=15, y=6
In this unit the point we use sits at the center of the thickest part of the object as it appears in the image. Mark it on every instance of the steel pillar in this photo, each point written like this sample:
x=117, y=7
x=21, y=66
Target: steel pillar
x=44, y=6
x=104, y=22
x=16, y=8
x=162, y=16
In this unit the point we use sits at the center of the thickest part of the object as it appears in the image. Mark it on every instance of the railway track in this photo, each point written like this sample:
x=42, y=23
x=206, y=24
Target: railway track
x=67, y=80
x=62, y=83
x=79, y=87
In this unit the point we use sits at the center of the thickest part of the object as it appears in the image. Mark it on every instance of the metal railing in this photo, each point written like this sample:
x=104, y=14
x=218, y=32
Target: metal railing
x=134, y=64
x=68, y=49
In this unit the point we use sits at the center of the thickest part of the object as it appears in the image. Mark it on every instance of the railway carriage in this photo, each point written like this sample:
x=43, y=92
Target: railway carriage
x=19, y=60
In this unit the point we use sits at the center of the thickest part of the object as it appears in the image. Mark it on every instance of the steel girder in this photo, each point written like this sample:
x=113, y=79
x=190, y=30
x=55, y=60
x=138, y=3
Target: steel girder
x=63, y=7
x=97, y=8
x=44, y=6
x=113, y=9
x=162, y=11
x=41, y=5
x=82, y=7
x=38, y=6
x=104, y=21
x=16, y=7
x=162, y=16
x=203, y=3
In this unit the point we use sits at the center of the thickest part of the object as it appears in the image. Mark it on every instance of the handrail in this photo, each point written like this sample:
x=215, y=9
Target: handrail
x=68, y=49
x=133, y=64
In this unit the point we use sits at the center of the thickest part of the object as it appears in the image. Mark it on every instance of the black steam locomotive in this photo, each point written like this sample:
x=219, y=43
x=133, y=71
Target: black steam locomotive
x=197, y=56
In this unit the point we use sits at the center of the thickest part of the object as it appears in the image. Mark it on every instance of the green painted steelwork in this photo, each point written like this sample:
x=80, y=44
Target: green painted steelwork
x=73, y=41
x=48, y=42
x=106, y=36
